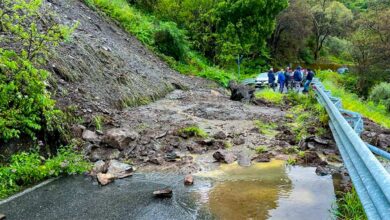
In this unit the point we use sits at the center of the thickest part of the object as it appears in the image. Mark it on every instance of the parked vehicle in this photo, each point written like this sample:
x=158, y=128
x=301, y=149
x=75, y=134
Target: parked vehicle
x=262, y=80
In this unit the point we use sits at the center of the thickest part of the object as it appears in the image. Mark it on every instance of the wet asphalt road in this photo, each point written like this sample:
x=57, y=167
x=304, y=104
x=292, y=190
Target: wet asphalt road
x=77, y=198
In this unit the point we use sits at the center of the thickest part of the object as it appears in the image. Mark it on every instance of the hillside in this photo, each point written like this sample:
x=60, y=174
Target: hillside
x=103, y=68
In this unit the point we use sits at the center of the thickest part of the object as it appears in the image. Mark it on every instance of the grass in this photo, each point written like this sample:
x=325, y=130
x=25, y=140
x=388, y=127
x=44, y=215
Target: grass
x=261, y=149
x=270, y=96
x=144, y=27
x=352, y=102
x=98, y=121
x=28, y=168
x=349, y=207
x=291, y=161
x=265, y=128
x=193, y=131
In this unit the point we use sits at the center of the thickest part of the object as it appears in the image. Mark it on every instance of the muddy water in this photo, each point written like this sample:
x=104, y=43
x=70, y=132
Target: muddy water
x=268, y=191
x=262, y=191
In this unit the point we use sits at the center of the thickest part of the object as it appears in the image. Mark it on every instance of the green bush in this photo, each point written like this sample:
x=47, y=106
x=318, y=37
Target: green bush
x=171, y=41
x=28, y=168
x=25, y=105
x=351, y=101
x=349, y=207
x=380, y=94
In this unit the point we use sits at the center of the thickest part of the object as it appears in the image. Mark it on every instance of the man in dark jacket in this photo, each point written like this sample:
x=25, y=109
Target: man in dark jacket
x=271, y=78
x=287, y=77
x=309, y=78
x=297, y=78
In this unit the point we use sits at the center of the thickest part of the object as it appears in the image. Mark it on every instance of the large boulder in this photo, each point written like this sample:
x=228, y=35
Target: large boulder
x=224, y=156
x=119, y=138
x=90, y=136
x=240, y=92
x=119, y=170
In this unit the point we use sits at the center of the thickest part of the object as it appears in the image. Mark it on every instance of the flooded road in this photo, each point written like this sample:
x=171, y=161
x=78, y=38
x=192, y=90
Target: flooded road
x=262, y=191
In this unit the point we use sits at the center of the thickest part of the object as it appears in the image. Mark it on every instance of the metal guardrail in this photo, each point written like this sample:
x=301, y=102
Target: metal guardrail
x=371, y=180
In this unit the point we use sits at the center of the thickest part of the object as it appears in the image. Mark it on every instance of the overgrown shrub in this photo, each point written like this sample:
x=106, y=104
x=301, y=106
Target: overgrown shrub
x=29, y=168
x=380, y=94
x=171, y=41
x=25, y=105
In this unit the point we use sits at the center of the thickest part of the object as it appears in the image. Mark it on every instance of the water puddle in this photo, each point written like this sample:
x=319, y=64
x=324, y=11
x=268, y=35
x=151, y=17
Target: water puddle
x=268, y=191
x=262, y=191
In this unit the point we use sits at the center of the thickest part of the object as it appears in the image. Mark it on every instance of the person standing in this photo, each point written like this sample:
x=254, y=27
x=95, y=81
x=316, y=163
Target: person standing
x=287, y=77
x=271, y=78
x=281, y=80
x=309, y=79
x=297, y=78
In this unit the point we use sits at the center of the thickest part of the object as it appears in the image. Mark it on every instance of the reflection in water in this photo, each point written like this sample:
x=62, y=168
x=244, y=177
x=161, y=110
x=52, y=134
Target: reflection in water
x=266, y=191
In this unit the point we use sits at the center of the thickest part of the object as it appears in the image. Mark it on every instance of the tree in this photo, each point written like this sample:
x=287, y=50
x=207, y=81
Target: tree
x=293, y=28
x=30, y=28
x=329, y=18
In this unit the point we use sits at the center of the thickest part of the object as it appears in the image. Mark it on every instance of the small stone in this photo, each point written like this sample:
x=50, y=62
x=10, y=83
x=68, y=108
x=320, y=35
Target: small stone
x=220, y=135
x=99, y=167
x=78, y=130
x=262, y=158
x=104, y=154
x=90, y=136
x=321, y=171
x=188, y=180
x=105, y=178
x=163, y=193
x=239, y=141
x=224, y=156
x=156, y=160
x=383, y=141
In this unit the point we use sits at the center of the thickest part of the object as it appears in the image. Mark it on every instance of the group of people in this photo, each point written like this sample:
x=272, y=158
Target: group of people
x=290, y=79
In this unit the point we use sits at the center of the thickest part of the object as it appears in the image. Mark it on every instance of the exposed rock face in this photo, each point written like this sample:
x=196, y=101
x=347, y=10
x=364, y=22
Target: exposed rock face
x=240, y=92
x=119, y=138
x=105, y=178
x=188, y=180
x=224, y=156
x=239, y=141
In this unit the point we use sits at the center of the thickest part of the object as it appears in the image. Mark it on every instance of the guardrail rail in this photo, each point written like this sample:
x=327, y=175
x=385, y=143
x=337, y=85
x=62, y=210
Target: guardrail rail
x=370, y=178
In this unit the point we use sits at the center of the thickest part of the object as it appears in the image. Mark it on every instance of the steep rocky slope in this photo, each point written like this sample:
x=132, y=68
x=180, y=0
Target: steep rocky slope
x=103, y=68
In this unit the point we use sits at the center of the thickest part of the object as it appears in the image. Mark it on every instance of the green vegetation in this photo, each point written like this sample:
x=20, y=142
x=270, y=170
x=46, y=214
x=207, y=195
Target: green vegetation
x=271, y=96
x=227, y=144
x=349, y=207
x=261, y=149
x=291, y=161
x=98, y=121
x=266, y=128
x=26, y=169
x=193, y=131
x=375, y=112
x=165, y=38
x=380, y=94
x=25, y=105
